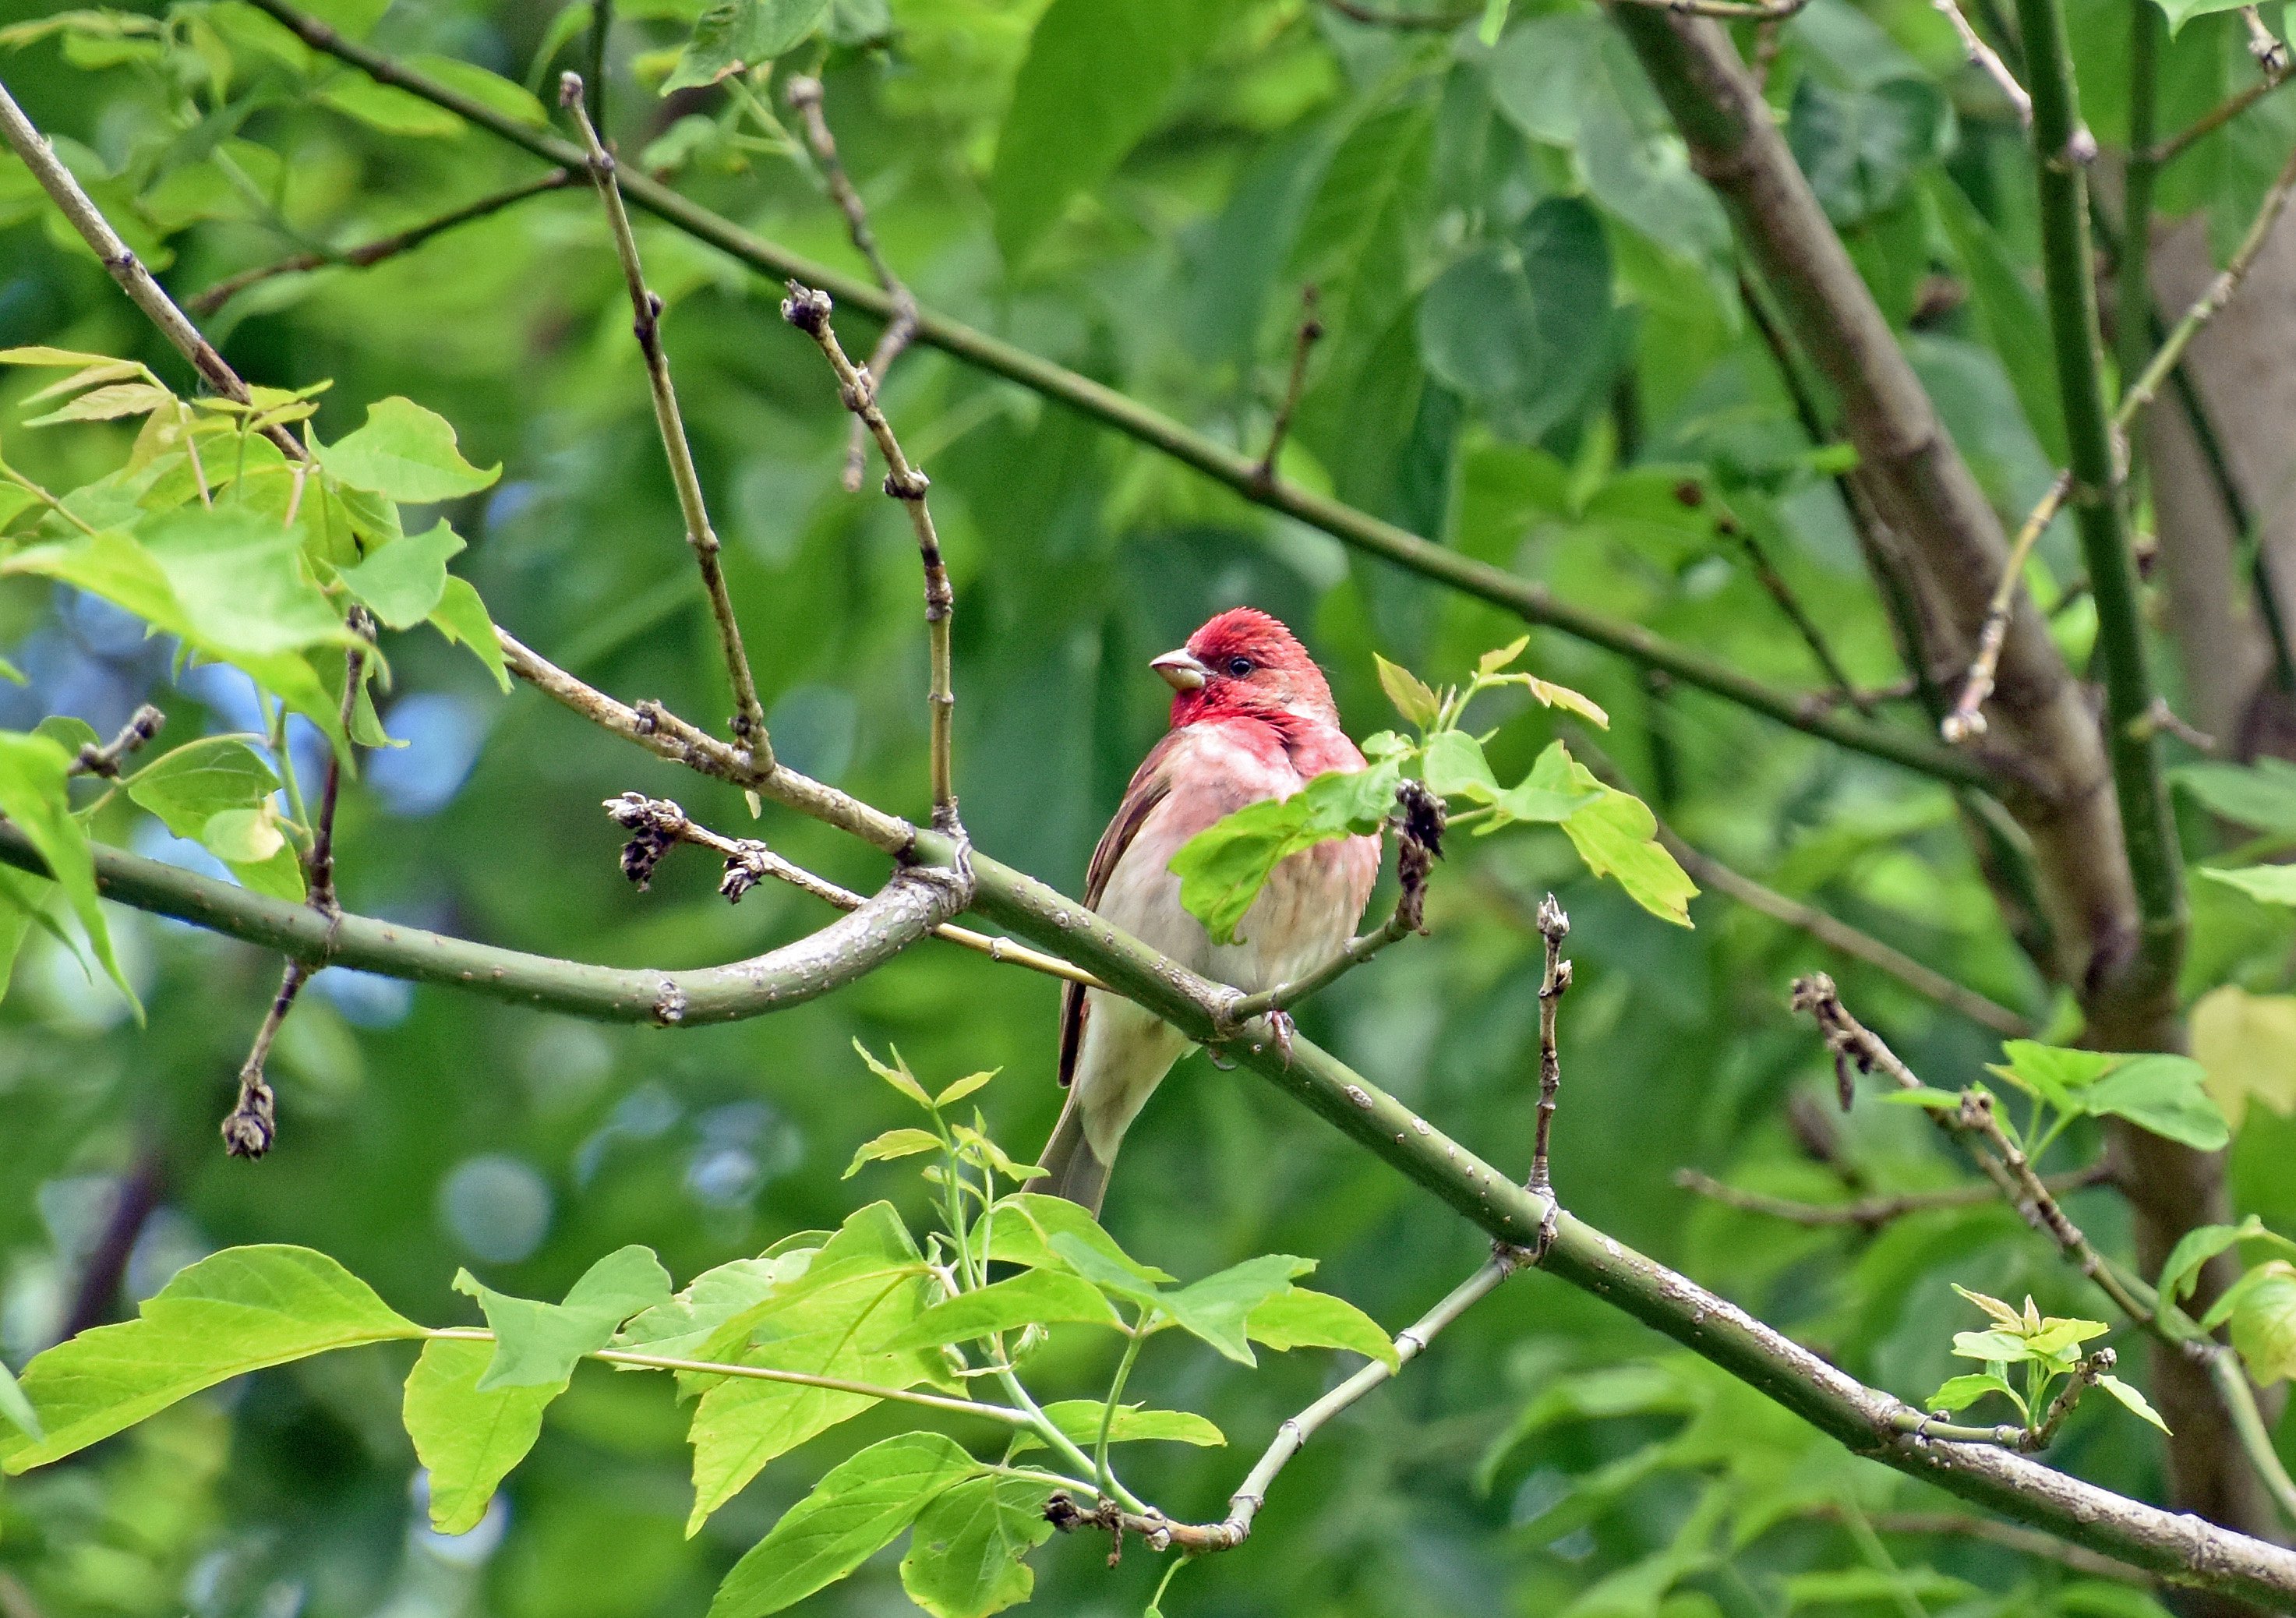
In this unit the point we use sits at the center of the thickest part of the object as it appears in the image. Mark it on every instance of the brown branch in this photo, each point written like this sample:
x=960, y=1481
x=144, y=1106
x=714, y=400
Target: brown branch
x=1311, y=329
x=253, y=1124
x=646, y=309
x=804, y=95
x=1553, y=983
x=808, y=311
x=749, y=861
x=375, y=251
x=142, y=725
x=1691, y=493
x=2010, y=1536
x=1870, y=1213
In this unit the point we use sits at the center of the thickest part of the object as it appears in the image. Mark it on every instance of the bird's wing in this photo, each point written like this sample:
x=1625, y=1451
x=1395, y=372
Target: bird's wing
x=1149, y=786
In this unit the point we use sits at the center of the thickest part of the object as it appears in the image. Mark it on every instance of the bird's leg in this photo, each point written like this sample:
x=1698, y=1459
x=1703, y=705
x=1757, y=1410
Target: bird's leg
x=1229, y=1027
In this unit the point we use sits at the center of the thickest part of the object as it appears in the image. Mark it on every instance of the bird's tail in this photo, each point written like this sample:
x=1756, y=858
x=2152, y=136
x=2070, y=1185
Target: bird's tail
x=1072, y=1169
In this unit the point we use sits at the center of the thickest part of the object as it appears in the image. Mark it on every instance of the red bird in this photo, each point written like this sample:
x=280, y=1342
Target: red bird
x=1252, y=719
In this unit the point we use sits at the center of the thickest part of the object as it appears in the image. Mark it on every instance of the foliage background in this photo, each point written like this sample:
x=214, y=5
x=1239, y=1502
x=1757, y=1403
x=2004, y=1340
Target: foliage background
x=1438, y=193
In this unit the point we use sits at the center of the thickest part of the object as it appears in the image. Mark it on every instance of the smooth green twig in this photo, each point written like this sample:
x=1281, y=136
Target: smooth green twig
x=1870, y=1213
x=646, y=308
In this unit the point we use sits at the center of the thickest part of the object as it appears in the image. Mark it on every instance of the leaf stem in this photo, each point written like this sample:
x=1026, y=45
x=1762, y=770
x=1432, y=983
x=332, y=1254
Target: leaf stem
x=1133, y=1338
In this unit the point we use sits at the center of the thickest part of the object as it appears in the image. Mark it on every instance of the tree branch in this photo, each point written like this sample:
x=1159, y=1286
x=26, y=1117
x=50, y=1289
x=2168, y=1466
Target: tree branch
x=749, y=713
x=804, y=95
x=1533, y=603
x=1986, y=61
x=1869, y=1213
x=748, y=860
x=375, y=251
x=808, y=311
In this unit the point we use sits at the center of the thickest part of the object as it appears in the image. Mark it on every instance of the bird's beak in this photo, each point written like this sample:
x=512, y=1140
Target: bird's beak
x=1181, y=671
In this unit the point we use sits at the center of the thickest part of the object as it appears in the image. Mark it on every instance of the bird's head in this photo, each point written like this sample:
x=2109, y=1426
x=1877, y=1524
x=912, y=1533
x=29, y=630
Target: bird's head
x=1243, y=662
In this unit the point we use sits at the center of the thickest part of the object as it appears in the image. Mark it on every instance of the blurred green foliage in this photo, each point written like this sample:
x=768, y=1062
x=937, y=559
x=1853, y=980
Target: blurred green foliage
x=1534, y=337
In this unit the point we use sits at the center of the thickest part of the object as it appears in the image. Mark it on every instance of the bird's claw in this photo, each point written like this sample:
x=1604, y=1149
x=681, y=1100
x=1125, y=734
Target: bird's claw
x=1280, y=1027
x=1228, y=1029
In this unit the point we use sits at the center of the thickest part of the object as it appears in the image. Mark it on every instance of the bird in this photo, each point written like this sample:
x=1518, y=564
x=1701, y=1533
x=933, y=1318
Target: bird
x=1252, y=718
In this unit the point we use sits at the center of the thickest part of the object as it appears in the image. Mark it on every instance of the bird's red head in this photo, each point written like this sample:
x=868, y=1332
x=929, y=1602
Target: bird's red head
x=1245, y=662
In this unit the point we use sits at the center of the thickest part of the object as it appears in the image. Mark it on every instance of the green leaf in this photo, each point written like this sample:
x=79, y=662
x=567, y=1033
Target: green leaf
x=67, y=733
x=384, y=107
x=404, y=582
x=1522, y=326
x=1078, y=1420
x=235, y=1311
x=1216, y=1308
x=238, y=579
x=33, y=770
x=1026, y=1224
x=1034, y=1297
x=2164, y=1094
x=404, y=453
x=468, y=1438
x=965, y=1559
x=2130, y=1397
x=1120, y=58
x=189, y=786
x=489, y=90
x=1617, y=836
x=861, y=1291
x=2263, y=1323
x=1409, y=693
x=2267, y=885
x=1453, y=767
x=17, y=1409
x=463, y=620
x=109, y=404
x=860, y=1507
x=2196, y=1247
x=1957, y=1393
x=537, y=1344
x=1860, y=147
x=735, y=33
x=1222, y=867
x=1993, y=1347
x=242, y=835
x=2247, y=1042
x=2008, y=311
x=680, y=1328
x=2054, y=1073
x=895, y=1074
x=960, y=1089
x=1301, y=1319
x=1557, y=788
x=892, y=1143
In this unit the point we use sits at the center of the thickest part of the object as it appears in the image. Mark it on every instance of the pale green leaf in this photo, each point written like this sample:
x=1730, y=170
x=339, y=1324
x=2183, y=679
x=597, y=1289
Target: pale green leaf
x=1026, y=1224
x=33, y=770
x=1034, y=1297
x=2167, y=1095
x=680, y=1328
x=1297, y=1318
x=240, y=582
x=1223, y=868
x=966, y=1557
x=405, y=452
x=2264, y=1322
x=1411, y=695
x=17, y=1409
x=892, y=1143
x=463, y=620
x=387, y=108
x=2132, y=1398
x=404, y=582
x=468, y=1437
x=537, y=1344
x=897, y=1074
x=188, y=785
x=2269, y=884
x=235, y=1311
x=1957, y=1393
x=860, y=1506
x=1078, y=1420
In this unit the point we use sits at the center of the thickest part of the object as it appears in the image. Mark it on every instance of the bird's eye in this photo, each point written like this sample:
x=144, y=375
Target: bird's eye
x=1238, y=667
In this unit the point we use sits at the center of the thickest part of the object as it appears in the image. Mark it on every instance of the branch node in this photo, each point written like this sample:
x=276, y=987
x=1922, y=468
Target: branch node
x=807, y=308
x=103, y=760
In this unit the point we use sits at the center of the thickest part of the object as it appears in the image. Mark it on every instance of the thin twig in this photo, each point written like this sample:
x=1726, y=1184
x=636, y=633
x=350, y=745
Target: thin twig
x=1311, y=329
x=2010, y=1536
x=804, y=95
x=320, y=867
x=1988, y=61
x=1553, y=983
x=2263, y=44
x=1977, y=1115
x=253, y=1124
x=1965, y=720
x=2082, y=1378
x=749, y=713
x=1870, y=1213
x=1691, y=493
x=2217, y=117
x=807, y=310
x=375, y=251
x=142, y=725
x=748, y=861
x=1194, y=1539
